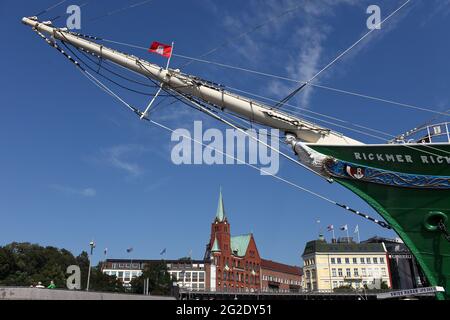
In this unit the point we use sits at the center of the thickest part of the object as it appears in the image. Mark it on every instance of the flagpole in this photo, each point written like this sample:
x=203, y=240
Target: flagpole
x=144, y=114
x=171, y=53
x=348, y=237
x=333, y=235
x=358, y=236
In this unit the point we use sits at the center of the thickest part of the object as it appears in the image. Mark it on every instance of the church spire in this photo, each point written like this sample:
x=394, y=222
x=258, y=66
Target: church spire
x=220, y=215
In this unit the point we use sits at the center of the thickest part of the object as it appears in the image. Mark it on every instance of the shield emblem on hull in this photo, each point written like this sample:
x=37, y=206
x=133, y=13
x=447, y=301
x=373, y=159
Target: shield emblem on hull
x=356, y=173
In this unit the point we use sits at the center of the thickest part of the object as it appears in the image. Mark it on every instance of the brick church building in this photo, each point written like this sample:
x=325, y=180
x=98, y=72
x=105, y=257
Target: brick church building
x=233, y=263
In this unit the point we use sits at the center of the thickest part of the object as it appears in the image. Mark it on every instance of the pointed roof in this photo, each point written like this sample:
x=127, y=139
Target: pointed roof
x=239, y=244
x=215, y=247
x=220, y=214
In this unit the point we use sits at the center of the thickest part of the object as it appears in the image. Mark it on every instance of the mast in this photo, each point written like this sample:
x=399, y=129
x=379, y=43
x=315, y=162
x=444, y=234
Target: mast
x=189, y=85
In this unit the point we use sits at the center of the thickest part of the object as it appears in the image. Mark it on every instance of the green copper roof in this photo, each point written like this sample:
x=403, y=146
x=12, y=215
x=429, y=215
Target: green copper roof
x=215, y=247
x=322, y=246
x=220, y=215
x=240, y=244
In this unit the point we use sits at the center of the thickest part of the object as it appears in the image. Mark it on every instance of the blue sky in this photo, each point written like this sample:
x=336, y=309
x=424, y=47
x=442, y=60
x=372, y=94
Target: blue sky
x=75, y=165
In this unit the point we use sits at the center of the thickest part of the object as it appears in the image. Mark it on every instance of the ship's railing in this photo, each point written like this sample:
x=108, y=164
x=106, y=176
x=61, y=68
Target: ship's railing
x=433, y=133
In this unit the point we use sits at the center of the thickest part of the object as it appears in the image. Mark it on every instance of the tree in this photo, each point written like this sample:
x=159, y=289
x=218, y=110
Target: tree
x=25, y=264
x=160, y=282
x=384, y=285
x=105, y=283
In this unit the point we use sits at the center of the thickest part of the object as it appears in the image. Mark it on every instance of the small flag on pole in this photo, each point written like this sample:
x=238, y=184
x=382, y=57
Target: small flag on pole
x=162, y=252
x=162, y=49
x=330, y=227
x=356, y=229
x=105, y=251
x=344, y=227
x=129, y=250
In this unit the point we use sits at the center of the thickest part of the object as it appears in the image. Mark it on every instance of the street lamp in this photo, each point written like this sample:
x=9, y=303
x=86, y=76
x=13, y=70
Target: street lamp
x=92, y=245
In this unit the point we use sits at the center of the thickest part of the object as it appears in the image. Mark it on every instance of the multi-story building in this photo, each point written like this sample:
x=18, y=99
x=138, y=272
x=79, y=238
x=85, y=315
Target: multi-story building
x=331, y=265
x=404, y=269
x=279, y=277
x=188, y=274
x=234, y=263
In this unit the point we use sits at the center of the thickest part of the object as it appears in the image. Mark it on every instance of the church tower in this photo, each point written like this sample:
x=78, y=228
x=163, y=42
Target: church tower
x=220, y=230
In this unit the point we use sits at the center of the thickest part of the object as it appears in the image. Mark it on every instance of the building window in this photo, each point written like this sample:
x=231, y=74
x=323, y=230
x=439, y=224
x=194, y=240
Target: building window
x=349, y=274
x=347, y=260
x=340, y=272
x=355, y=261
x=362, y=260
x=333, y=272
x=375, y=260
x=194, y=276
x=335, y=284
x=383, y=272
x=339, y=260
x=201, y=276
x=355, y=272
x=363, y=271
x=333, y=261
x=381, y=260
x=368, y=260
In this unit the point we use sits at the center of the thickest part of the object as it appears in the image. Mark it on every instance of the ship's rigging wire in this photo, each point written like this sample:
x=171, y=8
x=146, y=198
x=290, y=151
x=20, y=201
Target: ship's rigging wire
x=50, y=8
x=303, y=85
x=102, y=75
x=60, y=16
x=116, y=11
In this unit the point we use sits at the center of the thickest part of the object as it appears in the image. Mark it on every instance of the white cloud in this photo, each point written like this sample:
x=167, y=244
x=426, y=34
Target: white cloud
x=119, y=157
x=85, y=192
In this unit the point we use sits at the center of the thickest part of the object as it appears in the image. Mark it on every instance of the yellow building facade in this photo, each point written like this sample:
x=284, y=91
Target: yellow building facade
x=327, y=266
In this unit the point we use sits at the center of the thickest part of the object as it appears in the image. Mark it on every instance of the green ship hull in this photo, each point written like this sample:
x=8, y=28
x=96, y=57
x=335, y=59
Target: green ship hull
x=410, y=188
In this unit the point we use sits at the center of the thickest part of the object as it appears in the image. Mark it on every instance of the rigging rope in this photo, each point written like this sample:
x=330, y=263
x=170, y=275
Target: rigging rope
x=113, y=12
x=50, y=8
x=102, y=75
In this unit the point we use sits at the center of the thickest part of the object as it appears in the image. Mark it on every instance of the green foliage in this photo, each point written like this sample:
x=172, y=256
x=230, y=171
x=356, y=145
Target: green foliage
x=160, y=282
x=25, y=264
x=384, y=285
x=347, y=288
